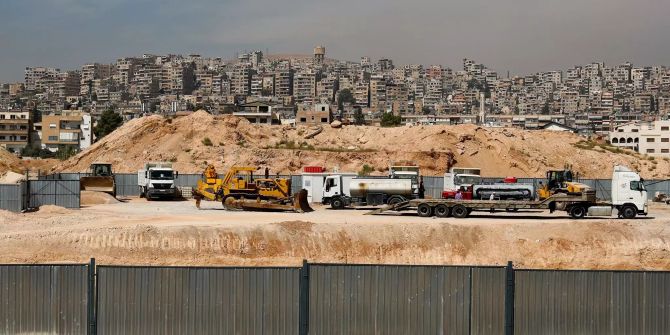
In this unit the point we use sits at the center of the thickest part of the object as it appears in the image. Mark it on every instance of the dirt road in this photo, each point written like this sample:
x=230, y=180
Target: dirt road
x=176, y=233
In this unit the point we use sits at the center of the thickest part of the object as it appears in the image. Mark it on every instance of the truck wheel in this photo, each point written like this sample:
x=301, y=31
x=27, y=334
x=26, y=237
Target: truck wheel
x=459, y=211
x=395, y=201
x=628, y=212
x=442, y=211
x=425, y=211
x=337, y=203
x=577, y=212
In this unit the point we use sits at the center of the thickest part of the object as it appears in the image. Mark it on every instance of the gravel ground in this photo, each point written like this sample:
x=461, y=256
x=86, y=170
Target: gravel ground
x=140, y=232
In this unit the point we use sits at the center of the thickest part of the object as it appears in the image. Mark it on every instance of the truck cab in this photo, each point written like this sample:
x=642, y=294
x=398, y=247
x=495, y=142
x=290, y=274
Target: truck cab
x=157, y=180
x=629, y=195
x=333, y=187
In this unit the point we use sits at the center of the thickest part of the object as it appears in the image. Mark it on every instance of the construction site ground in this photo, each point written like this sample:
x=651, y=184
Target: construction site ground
x=140, y=232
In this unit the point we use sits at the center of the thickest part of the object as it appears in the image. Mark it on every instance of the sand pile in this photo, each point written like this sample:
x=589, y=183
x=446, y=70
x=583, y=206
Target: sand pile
x=11, y=178
x=8, y=161
x=192, y=141
x=96, y=198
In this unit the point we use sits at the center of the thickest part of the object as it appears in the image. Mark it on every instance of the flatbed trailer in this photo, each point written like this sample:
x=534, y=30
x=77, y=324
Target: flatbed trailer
x=577, y=206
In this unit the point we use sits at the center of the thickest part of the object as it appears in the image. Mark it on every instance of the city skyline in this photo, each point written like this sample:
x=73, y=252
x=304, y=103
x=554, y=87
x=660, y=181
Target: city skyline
x=522, y=38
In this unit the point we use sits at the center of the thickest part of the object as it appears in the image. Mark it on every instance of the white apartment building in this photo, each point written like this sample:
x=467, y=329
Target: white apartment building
x=651, y=138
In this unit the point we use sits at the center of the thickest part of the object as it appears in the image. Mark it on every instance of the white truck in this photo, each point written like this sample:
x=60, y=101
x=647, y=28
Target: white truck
x=401, y=185
x=629, y=198
x=157, y=180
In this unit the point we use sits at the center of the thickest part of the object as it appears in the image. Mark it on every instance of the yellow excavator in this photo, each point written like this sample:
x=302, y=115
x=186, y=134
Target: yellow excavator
x=561, y=181
x=240, y=190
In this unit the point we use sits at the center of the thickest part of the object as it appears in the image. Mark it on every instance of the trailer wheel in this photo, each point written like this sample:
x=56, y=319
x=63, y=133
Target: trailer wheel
x=425, y=211
x=577, y=212
x=442, y=211
x=459, y=211
x=628, y=212
x=337, y=203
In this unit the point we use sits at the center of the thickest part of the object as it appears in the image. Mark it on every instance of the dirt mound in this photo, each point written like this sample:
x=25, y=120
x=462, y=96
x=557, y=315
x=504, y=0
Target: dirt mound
x=192, y=141
x=97, y=198
x=11, y=178
x=8, y=161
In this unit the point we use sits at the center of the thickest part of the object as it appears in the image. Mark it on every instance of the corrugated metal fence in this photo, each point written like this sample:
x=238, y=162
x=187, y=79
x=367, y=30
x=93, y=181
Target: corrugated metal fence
x=43, y=299
x=13, y=197
x=379, y=299
x=198, y=300
x=64, y=193
x=592, y=302
x=330, y=299
x=127, y=183
x=36, y=193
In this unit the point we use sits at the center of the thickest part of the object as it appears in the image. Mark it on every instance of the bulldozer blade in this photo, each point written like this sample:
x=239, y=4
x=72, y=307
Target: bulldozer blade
x=98, y=184
x=298, y=204
x=301, y=202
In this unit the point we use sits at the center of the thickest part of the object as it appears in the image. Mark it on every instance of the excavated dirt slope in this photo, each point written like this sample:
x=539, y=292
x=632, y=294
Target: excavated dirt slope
x=234, y=141
x=8, y=162
x=176, y=233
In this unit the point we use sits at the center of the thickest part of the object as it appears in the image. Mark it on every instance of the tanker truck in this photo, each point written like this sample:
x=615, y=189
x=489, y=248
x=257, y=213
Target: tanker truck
x=342, y=192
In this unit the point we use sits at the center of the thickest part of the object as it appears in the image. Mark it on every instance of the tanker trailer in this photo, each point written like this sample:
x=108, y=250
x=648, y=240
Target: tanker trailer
x=367, y=191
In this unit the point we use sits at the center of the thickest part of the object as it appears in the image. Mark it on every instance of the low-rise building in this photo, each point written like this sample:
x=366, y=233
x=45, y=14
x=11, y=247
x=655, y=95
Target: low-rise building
x=14, y=130
x=67, y=129
x=256, y=112
x=651, y=138
x=319, y=114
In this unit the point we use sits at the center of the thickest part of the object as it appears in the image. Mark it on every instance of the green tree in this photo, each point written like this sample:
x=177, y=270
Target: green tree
x=359, y=119
x=109, y=121
x=343, y=97
x=545, y=108
x=65, y=152
x=390, y=120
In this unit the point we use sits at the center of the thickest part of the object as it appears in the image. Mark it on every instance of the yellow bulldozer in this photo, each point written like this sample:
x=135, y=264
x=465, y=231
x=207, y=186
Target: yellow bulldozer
x=241, y=191
x=561, y=181
x=101, y=179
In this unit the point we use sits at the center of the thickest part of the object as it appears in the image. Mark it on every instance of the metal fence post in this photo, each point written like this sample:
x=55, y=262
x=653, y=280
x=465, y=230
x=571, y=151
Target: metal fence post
x=304, y=299
x=91, y=300
x=509, y=299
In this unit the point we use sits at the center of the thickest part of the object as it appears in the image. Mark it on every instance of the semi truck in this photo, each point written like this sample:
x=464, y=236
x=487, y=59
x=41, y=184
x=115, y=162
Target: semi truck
x=628, y=197
x=341, y=191
x=157, y=180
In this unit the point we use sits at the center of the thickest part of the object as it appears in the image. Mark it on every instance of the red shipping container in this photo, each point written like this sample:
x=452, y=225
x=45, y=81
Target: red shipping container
x=314, y=169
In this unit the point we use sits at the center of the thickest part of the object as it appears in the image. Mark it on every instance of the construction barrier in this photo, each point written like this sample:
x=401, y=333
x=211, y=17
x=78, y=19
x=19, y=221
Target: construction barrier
x=330, y=299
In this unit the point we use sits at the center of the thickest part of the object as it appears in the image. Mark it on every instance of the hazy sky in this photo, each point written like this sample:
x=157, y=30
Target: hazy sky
x=521, y=36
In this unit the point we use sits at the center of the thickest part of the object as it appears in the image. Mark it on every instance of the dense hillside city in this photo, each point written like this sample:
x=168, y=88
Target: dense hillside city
x=312, y=89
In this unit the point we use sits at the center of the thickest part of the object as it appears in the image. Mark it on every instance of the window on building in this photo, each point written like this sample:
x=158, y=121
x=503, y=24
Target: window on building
x=651, y=140
x=665, y=128
x=650, y=151
x=23, y=117
x=620, y=130
x=302, y=119
x=665, y=151
x=323, y=108
x=634, y=130
x=665, y=139
x=324, y=119
x=52, y=125
x=53, y=138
